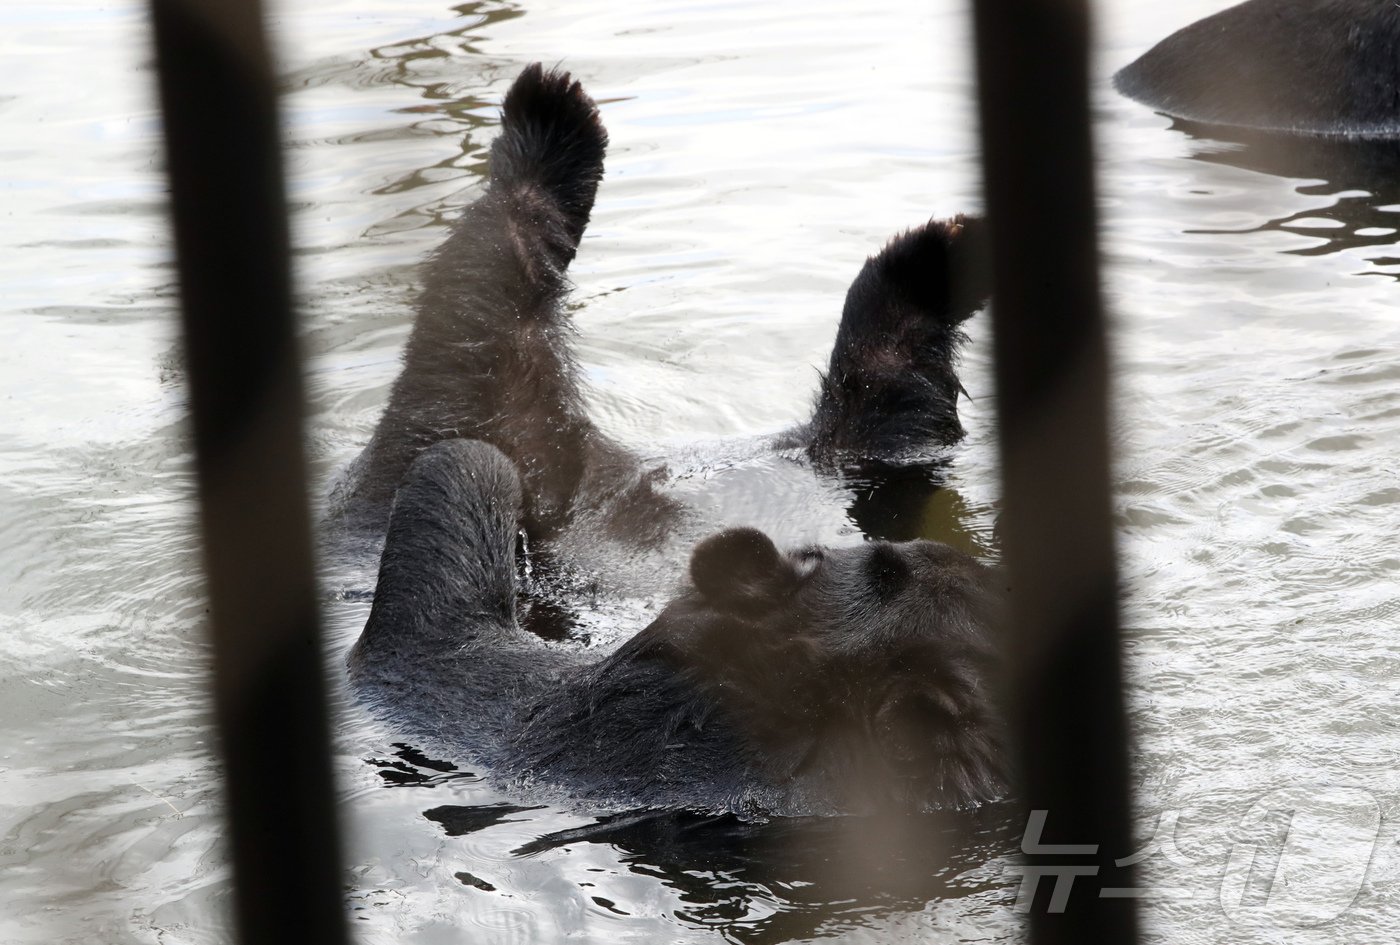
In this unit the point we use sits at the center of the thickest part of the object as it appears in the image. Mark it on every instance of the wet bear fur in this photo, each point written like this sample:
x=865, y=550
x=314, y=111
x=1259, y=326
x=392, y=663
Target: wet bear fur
x=812, y=680
x=1309, y=67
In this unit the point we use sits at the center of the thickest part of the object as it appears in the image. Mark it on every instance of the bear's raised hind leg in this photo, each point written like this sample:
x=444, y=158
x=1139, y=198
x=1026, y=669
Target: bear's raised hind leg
x=489, y=357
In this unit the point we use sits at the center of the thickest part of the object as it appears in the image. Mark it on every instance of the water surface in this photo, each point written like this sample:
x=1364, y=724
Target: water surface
x=760, y=152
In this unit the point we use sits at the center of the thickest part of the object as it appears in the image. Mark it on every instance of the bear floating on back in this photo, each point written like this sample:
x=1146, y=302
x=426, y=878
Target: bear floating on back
x=814, y=680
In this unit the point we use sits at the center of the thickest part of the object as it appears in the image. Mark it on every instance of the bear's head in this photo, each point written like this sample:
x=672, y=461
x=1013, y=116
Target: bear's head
x=865, y=674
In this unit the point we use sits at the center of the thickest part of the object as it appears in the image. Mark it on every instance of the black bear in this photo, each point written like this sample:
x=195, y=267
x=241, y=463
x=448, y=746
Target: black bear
x=817, y=680
x=1320, y=67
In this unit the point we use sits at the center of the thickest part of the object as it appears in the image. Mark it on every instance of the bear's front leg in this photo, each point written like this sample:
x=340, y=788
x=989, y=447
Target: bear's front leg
x=891, y=389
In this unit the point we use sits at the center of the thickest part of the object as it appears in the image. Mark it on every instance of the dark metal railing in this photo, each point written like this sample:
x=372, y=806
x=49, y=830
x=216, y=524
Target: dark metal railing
x=1052, y=401
x=246, y=398
x=230, y=219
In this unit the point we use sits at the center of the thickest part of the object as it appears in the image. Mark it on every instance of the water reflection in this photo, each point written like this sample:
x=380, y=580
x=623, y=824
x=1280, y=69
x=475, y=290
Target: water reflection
x=791, y=878
x=432, y=66
x=453, y=111
x=904, y=502
x=458, y=821
x=1362, y=177
x=406, y=769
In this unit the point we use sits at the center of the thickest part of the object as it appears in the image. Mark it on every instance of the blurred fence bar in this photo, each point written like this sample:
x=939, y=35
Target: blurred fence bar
x=230, y=221
x=1052, y=390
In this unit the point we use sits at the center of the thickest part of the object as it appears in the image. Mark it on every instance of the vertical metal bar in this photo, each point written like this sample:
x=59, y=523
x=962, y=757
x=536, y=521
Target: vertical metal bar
x=1052, y=387
x=229, y=214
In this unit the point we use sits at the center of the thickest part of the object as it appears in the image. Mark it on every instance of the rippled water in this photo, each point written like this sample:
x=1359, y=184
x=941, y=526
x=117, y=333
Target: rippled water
x=759, y=152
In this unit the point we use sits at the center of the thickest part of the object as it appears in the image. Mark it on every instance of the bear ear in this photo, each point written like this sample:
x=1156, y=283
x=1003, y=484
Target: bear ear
x=740, y=567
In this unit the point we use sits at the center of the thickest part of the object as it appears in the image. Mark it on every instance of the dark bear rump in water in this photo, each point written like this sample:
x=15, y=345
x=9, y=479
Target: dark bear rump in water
x=1323, y=67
